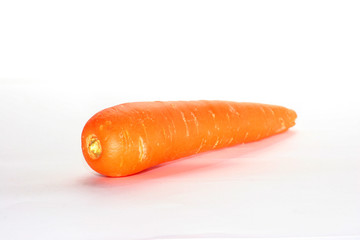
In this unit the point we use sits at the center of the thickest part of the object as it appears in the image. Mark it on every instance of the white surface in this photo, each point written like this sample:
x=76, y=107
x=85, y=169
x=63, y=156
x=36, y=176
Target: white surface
x=62, y=62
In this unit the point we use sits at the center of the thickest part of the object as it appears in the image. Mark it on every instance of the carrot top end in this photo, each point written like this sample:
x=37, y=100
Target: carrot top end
x=94, y=147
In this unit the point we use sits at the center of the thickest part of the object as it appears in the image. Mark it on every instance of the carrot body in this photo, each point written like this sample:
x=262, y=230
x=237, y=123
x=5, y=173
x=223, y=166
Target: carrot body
x=128, y=138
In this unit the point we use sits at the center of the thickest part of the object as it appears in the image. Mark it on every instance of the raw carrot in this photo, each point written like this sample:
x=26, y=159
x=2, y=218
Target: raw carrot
x=128, y=138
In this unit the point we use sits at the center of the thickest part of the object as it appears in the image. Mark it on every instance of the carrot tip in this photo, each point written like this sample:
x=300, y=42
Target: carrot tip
x=93, y=146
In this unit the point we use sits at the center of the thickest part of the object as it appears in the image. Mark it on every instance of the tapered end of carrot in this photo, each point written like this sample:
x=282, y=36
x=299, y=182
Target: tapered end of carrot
x=291, y=114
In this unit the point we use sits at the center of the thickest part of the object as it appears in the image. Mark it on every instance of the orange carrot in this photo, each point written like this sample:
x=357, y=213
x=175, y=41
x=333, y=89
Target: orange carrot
x=128, y=138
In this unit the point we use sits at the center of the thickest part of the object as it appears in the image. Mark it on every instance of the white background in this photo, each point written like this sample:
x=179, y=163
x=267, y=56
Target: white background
x=62, y=61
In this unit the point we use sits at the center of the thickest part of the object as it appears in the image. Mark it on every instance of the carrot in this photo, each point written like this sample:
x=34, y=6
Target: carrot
x=128, y=138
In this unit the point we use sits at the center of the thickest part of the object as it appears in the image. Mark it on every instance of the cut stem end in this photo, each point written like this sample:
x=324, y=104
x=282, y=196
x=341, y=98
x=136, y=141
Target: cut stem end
x=94, y=147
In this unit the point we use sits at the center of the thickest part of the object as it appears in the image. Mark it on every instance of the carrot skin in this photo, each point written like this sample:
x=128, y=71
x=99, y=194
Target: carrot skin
x=128, y=138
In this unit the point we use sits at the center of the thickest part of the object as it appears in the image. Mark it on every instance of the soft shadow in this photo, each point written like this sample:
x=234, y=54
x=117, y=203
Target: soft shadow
x=190, y=165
